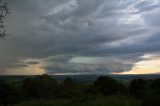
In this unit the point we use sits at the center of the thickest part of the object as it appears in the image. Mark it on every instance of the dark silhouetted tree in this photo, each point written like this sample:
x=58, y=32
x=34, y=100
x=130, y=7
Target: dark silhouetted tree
x=66, y=88
x=107, y=85
x=122, y=88
x=4, y=11
x=68, y=83
x=42, y=86
x=4, y=93
x=156, y=86
x=138, y=87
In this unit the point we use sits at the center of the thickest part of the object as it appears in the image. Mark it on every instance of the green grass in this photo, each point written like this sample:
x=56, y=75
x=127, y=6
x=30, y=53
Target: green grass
x=86, y=101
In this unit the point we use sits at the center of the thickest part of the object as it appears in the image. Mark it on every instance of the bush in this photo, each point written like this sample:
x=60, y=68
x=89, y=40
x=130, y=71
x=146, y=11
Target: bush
x=156, y=86
x=151, y=100
x=4, y=92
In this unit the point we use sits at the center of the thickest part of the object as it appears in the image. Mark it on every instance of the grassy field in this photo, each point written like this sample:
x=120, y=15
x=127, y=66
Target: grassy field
x=87, y=101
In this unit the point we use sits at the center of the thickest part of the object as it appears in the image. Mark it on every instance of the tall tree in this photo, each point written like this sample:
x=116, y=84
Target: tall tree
x=107, y=85
x=4, y=12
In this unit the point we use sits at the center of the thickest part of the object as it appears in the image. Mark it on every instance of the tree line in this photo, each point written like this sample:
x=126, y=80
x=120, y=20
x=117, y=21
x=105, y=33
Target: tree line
x=45, y=87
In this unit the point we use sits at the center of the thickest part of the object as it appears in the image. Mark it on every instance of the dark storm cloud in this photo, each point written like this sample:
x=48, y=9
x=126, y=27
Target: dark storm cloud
x=77, y=68
x=56, y=31
x=96, y=65
x=87, y=68
x=58, y=58
x=32, y=62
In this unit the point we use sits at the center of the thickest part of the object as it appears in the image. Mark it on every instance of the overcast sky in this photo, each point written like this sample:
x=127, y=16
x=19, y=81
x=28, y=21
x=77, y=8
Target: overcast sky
x=82, y=37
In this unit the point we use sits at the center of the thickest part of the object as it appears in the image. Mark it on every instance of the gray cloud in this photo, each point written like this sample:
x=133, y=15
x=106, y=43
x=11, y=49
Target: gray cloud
x=55, y=32
x=20, y=65
x=32, y=62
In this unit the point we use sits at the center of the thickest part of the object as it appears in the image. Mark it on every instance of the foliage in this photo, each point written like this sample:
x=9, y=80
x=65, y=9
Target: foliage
x=44, y=90
x=107, y=85
x=40, y=87
x=4, y=92
x=4, y=11
x=138, y=87
x=156, y=86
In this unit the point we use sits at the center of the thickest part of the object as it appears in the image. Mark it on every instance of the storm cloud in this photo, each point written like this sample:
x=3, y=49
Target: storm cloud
x=80, y=36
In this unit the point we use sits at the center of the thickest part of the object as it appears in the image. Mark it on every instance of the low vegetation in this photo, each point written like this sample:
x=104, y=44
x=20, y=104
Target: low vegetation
x=44, y=90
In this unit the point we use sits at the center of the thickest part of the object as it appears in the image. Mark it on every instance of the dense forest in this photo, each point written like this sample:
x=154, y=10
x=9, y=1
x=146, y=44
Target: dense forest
x=43, y=90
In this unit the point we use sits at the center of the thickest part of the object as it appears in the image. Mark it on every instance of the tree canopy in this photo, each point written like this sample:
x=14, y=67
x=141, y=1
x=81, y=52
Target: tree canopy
x=4, y=12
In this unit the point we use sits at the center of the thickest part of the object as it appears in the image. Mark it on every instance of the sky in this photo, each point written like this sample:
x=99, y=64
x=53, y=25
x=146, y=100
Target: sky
x=70, y=37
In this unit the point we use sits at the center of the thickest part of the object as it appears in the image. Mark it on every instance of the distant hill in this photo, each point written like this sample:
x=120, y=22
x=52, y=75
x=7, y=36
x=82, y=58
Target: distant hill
x=85, y=78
